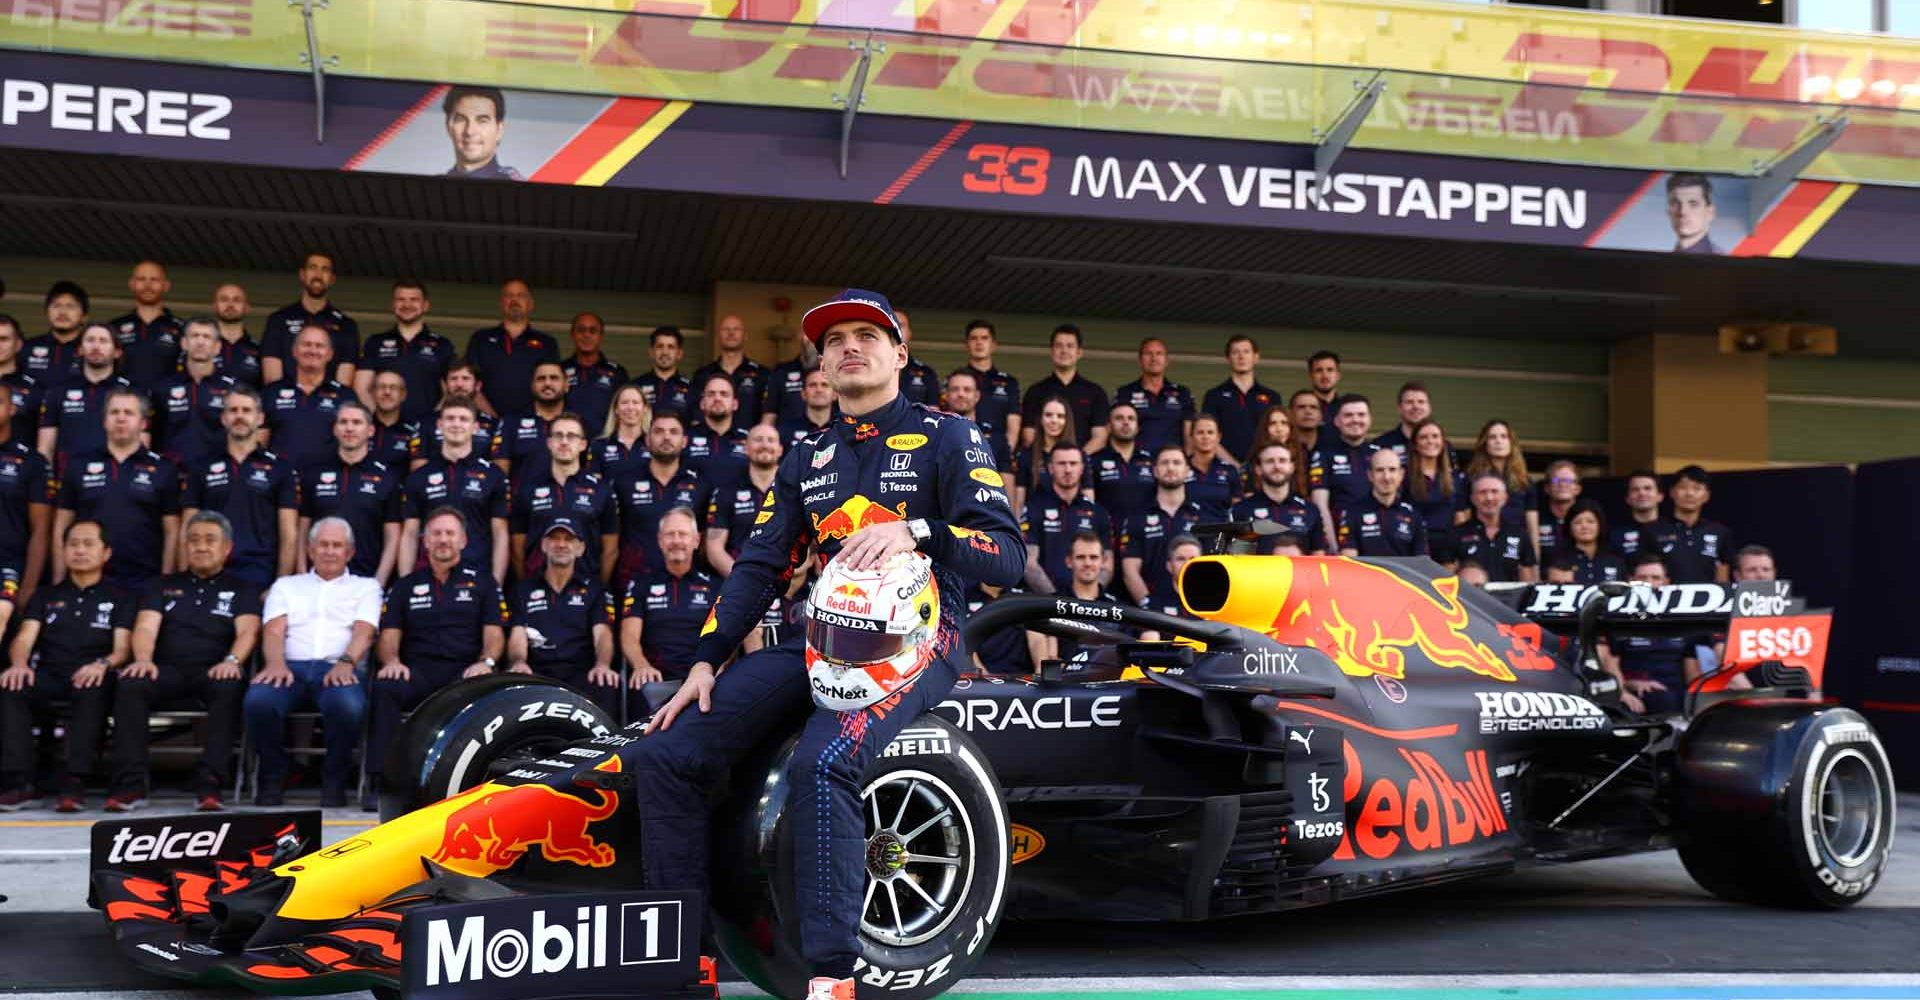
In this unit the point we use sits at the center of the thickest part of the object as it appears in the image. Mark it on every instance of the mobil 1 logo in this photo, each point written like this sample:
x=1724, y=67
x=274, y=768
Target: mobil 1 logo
x=599, y=944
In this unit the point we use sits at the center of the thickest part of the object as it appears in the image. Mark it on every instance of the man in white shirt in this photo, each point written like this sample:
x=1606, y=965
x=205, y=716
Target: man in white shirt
x=319, y=626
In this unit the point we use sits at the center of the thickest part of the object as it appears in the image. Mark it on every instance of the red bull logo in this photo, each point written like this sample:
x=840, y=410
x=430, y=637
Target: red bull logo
x=1428, y=810
x=1365, y=618
x=851, y=590
x=854, y=513
x=498, y=826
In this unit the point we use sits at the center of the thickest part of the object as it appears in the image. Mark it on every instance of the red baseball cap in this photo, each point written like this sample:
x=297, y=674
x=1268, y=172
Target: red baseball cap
x=852, y=304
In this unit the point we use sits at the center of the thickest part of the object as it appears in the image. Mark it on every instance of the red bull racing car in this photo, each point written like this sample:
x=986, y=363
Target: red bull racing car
x=1322, y=729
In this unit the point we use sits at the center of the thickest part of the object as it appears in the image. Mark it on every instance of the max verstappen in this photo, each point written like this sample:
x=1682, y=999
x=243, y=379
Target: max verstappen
x=887, y=477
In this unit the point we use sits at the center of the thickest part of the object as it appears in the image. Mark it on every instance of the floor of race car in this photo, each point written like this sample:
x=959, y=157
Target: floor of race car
x=1622, y=928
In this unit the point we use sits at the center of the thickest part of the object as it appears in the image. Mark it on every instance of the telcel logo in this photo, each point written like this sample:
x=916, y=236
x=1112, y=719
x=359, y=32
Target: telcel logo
x=166, y=845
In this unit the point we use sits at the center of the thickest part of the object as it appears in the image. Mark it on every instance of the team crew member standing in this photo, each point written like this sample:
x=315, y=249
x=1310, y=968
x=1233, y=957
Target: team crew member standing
x=1494, y=538
x=749, y=377
x=1340, y=473
x=843, y=515
x=418, y=355
x=187, y=405
x=73, y=636
x=1054, y=516
x=312, y=309
x=462, y=381
x=1165, y=407
x=441, y=622
x=1563, y=489
x=26, y=392
x=239, y=352
x=815, y=414
x=149, y=336
x=1648, y=531
x=998, y=412
x=963, y=400
x=128, y=488
x=1700, y=547
x=523, y=437
x=256, y=490
x=650, y=490
x=716, y=442
x=919, y=383
x=300, y=407
x=51, y=357
x=1415, y=405
x=731, y=509
x=1305, y=411
x=504, y=356
x=1085, y=398
x=192, y=633
x=662, y=613
x=393, y=439
x=592, y=377
x=359, y=489
x=665, y=389
x=1382, y=524
x=1216, y=477
x=1323, y=373
x=560, y=622
x=70, y=422
x=623, y=443
x=1273, y=499
x=457, y=477
x=1144, y=538
x=780, y=401
x=1122, y=472
x=26, y=516
x=1241, y=402
x=1586, y=546
x=557, y=485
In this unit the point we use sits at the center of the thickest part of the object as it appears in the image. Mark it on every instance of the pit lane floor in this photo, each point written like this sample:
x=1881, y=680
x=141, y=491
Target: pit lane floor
x=1617, y=929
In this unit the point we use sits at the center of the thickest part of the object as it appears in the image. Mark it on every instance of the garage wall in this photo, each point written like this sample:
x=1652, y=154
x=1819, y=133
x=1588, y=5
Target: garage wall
x=1842, y=410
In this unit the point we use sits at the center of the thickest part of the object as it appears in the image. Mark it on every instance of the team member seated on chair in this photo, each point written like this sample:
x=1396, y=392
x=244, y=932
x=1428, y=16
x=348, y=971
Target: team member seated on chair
x=192, y=633
x=441, y=622
x=72, y=637
x=560, y=623
x=319, y=625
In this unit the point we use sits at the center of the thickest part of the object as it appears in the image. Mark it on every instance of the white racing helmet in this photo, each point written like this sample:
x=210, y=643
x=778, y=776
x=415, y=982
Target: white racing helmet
x=870, y=632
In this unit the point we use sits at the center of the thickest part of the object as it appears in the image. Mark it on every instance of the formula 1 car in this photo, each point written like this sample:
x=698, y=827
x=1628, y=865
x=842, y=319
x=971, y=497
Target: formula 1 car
x=1322, y=729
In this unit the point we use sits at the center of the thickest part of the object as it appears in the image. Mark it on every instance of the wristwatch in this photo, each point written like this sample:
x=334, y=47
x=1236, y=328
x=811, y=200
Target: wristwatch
x=919, y=529
x=230, y=658
x=343, y=658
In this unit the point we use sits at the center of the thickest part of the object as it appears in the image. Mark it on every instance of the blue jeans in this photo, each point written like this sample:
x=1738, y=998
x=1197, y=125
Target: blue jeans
x=341, y=708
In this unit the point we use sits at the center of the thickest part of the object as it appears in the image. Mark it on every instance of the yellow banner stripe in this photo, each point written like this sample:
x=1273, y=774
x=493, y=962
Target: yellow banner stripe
x=600, y=173
x=1800, y=234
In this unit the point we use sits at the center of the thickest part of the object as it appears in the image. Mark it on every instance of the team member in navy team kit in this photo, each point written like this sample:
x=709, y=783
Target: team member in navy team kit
x=1415, y=404
x=354, y=486
x=73, y=636
x=780, y=400
x=311, y=309
x=1701, y=547
x=1056, y=514
x=1586, y=546
x=149, y=336
x=963, y=400
x=1240, y=403
x=256, y=490
x=26, y=392
x=1085, y=398
x=716, y=441
x=394, y=439
x=749, y=376
x=1272, y=499
x=70, y=423
x=998, y=412
x=816, y=411
x=26, y=516
x=1338, y=473
x=409, y=349
x=649, y=490
x=1654, y=670
x=1381, y=524
x=1562, y=496
x=1215, y=482
x=51, y=357
x=130, y=489
x=666, y=390
x=1165, y=407
x=1495, y=539
x=504, y=355
x=458, y=477
x=560, y=621
x=592, y=377
x=623, y=443
x=300, y=407
x=1144, y=537
x=187, y=405
x=662, y=612
x=710, y=723
x=441, y=622
x=239, y=352
x=523, y=436
x=558, y=485
x=1323, y=374
x=192, y=635
x=1165, y=596
x=1122, y=472
x=1647, y=530
x=1754, y=562
x=918, y=381
x=1306, y=413
x=1086, y=560
x=732, y=508
x=462, y=381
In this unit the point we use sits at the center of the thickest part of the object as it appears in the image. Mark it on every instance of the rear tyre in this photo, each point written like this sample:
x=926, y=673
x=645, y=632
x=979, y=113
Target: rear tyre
x=1785, y=803
x=448, y=744
x=937, y=854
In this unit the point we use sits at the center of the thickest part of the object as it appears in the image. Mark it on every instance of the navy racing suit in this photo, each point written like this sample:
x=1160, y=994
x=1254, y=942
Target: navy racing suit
x=902, y=462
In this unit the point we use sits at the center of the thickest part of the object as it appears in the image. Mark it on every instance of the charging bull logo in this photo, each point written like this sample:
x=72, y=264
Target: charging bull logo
x=854, y=513
x=1365, y=618
x=497, y=827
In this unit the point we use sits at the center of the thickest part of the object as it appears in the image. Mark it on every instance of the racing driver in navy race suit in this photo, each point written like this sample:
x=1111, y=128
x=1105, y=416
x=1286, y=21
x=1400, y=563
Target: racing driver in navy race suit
x=886, y=477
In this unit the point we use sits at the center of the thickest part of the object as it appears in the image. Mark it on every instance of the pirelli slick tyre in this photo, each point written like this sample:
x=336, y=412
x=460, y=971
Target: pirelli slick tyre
x=448, y=743
x=1786, y=803
x=937, y=849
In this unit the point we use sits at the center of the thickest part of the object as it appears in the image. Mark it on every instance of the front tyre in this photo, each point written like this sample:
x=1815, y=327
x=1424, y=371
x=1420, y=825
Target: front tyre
x=1785, y=803
x=937, y=861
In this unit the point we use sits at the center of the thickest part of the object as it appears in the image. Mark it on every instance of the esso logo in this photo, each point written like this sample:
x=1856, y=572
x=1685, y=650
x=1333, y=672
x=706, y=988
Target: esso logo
x=1774, y=643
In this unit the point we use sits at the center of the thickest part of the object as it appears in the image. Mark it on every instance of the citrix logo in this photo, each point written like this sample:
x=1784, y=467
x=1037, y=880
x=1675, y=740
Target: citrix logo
x=506, y=953
x=129, y=848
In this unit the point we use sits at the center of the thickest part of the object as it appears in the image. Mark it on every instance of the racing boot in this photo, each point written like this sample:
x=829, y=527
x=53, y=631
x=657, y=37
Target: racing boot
x=824, y=988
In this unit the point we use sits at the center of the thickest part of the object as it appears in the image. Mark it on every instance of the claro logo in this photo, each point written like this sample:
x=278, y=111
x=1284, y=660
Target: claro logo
x=81, y=107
